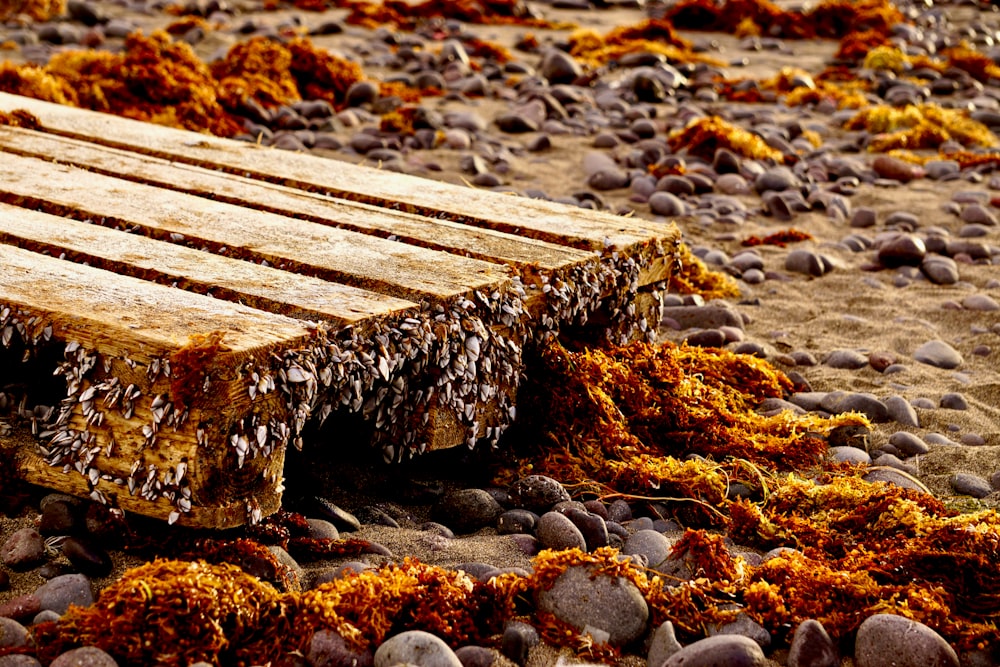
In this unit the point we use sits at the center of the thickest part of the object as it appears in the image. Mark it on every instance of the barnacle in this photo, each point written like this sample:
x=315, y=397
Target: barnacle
x=703, y=136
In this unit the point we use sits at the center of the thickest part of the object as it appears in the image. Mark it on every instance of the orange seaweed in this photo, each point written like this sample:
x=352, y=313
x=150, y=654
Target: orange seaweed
x=780, y=239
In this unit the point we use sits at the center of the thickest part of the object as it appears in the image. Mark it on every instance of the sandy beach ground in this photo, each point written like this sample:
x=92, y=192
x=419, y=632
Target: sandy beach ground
x=858, y=305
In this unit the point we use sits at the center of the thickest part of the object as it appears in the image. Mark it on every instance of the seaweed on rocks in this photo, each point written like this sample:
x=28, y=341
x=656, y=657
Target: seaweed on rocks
x=780, y=239
x=703, y=136
x=36, y=10
x=921, y=126
x=692, y=276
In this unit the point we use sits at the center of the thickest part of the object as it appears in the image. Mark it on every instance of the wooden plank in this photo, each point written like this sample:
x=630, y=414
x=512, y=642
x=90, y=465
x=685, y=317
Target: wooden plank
x=479, y=243
x=589, y=230
x=359, y=260
x=140, y=403
x=257, y=286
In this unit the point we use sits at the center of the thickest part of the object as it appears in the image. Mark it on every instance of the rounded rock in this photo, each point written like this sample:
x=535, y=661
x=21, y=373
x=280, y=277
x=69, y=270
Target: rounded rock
x=518, y=638
x=12, y=633
x=654, y=546
x=805, y=261
x=327, y=648
x=719, y=651
x=537, y=493
x=940, y=270
x=556, y=531
x=812, y=647
x=887, y=640
x=900, y=411
x=612, y=604
x=23, y=549
x=416, y=647
x=902, y=250
x=939, y=354
x=467, y=510
x=968, y=484
x=58, y=593
x=85, y=656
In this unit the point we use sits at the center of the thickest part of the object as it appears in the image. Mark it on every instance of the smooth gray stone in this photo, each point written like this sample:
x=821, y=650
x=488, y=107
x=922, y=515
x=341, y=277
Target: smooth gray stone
x=651, y=544
x=320, y=528
x=868, y=404
x=849, y=359
x=719, y=651
x=805, y=261
x=85, y=656
x=902, y=250
x=667, y=204
x=850, y=455
x=58, y=593
x=939, y=439
x=893, y=477
x=970, y=485
x=467, y=510
x=327, y=648
x=893, y=461
x=900, y=411
x=662, y=645
x=537, y=493
x=954, y=401
x=12, y=633
x=711, y=316
x=981, y=302
x=939, y=354
x=940, y=270
x=416, y=647
x=809, y=401
x=743, y=626
x=19, y=660
x=518, y=638
x=556, y=531
x=812, y=647
x=886, y=640
x=612, y=604
x=908, y=443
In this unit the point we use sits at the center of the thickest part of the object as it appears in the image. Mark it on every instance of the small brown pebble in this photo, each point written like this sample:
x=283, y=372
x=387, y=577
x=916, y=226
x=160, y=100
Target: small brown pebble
x=896, y=169
x=881, y=360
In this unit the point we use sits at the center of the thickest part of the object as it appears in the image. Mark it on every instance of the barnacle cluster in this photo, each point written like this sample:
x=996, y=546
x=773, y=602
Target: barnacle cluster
x=919, y=126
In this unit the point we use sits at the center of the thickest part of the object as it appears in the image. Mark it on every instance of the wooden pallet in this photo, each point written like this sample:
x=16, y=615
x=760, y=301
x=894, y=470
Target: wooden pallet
x=175, y=308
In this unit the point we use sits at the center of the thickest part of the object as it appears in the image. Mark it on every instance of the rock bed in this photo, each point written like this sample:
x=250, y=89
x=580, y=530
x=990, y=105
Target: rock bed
x=867, y=278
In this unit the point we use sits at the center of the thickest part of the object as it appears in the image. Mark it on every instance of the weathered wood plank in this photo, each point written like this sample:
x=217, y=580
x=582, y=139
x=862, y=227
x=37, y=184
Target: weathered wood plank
x=476, y=242
x=149, y=388
x=359, y=260
x=257, y=286
x=589, y=230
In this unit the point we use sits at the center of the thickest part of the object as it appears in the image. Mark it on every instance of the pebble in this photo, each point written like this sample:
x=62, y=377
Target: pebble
x=939, y=354
x=940, y=270
x=898, y=170
x=58, y=593
x=743, y=626
x=87, y=557
x=652, y=545
x=902, y=250
x=12, y=633
x=556, y=531
x=517, y=521
x=979, y=215
x=415, y=647
x=901, y=411
x=662, y=644
x=981, y=302
x=85, y=656
x=719, y=651
x=863, y=217
x=612, y=604
x=470, y=656
x=518, y=638
x=712, y=316
x=777, y=179
x=887, y=640
x=849, y=359
x=812, y=647
x=805, y=261
x=893, y=476
x=537, y=493
x=559, y=67
x=893, y=461
x=850, y=455
x=327, y=648
x=592, y=527
x=467, y=510
x=954, y=401
x=23, y=549
x=19, y=660
x=970, y=485
x=666, y=204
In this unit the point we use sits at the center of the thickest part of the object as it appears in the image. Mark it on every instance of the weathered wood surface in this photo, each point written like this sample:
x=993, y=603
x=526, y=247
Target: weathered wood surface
x=337, y=290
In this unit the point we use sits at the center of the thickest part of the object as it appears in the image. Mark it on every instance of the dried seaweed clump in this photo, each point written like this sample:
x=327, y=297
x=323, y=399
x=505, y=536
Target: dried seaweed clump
x=650, y=36
x=408, y=16
x=176, y=613
x=920, y=126
x=622, y=420
x=273, y=73
x=830, y=18
x=703, y=136
x=366, y=608
x=876, y=548
x=780, y=239
x=691, y=276
x=20, y=118
x=36, y=10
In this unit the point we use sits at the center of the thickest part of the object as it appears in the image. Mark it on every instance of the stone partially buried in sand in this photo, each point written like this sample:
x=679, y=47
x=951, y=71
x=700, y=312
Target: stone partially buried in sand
x=612, y=604
x=886, y=640
x=939, y=354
